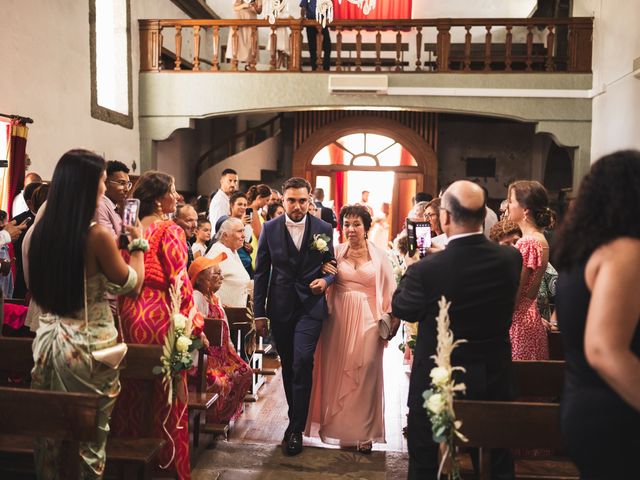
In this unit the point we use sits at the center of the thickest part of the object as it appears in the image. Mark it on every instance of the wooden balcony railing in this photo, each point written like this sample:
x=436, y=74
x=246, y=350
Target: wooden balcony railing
x=420, y=45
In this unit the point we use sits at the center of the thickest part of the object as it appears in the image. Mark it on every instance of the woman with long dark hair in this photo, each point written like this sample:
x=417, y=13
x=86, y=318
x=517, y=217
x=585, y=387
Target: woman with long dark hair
x=598, y=307
x=73, y=262
x=529, y=209
x=147, y=318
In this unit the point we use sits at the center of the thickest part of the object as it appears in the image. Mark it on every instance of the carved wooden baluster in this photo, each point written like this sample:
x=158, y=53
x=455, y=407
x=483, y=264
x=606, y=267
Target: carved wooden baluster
x=178, y=47
x=254, y=48
x=529, y=47
x=295, y=62
x=398, y=51
x=274, y=44
x=378, y=49
x=507, y=49
x=339, y=50
x=418, y=48
x=234, y=48
x=467, y=48
x=549, y=66
x=215, y=65
x=443, y=45
x=319, y=47
x=487, y=49
x=358, y=50
x=196, y=48
x=159, y=52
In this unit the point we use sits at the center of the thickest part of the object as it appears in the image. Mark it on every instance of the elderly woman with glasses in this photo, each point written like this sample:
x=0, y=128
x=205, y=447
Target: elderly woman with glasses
x=227, y=374
x=235, y=288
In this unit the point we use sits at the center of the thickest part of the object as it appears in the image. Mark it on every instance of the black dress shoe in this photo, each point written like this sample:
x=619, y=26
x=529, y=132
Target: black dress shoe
x=294, y=444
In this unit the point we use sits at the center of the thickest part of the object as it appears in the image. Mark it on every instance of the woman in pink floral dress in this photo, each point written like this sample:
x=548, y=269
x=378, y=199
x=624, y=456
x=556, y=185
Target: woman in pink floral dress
x=528, y=207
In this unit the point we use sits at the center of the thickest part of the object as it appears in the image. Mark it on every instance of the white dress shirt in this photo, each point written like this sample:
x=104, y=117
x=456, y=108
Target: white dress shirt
x=296, y=230
x=218, y=207
x=19, y=205
x=462, y=235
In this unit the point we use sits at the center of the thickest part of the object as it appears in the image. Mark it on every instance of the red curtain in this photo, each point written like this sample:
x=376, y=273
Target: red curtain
x=336, y=156
x=17, y=153
x=385, y=9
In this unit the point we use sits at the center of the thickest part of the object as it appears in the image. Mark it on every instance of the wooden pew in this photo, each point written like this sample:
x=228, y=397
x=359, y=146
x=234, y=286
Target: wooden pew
x=515, y=425
x=68, y=417
x=202, y=399
x=129, y=453
x=538, y=378
x=556, y=349
x=241, y=325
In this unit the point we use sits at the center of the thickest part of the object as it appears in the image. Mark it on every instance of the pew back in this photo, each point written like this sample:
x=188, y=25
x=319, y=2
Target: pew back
x=538, y=378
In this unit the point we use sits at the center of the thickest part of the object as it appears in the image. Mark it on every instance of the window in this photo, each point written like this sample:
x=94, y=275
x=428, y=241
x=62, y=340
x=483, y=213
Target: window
x=364, y=150
x=110, y=42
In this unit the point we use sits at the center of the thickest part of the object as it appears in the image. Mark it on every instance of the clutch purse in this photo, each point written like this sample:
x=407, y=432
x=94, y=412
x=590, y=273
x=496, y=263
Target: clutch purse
x=111, y=356
x=384, y=327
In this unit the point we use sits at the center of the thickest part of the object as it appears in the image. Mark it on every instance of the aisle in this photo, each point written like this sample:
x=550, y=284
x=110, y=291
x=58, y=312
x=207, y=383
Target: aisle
x=253, y=449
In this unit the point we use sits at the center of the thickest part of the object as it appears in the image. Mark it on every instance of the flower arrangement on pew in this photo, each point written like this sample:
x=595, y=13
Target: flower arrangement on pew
x=178, y=345
x=439, y=399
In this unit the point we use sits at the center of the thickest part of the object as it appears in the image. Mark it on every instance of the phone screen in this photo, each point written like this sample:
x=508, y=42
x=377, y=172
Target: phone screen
x=131, y=208
x=419, y=236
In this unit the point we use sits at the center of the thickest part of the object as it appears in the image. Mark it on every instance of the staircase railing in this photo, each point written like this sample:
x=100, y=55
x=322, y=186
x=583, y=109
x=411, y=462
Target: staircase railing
x=228, y=147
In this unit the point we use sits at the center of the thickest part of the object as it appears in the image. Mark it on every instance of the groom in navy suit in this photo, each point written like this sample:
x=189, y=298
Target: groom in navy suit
x=289, y=289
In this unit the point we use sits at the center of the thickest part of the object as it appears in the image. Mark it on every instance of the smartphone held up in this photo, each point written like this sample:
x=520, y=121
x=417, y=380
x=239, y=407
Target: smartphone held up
x=129, y=218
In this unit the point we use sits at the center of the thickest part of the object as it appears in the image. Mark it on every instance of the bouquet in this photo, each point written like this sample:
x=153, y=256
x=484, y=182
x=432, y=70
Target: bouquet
x=178, y=345
x=439, y=399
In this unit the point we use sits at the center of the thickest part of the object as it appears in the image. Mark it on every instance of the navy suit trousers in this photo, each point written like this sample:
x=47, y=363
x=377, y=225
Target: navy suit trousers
x=296, y=342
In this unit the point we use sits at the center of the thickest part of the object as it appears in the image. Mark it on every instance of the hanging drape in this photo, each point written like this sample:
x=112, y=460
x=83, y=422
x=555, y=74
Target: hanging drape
x=16, y=154
x=336, y=156
x=385, y=9
x=5, y=137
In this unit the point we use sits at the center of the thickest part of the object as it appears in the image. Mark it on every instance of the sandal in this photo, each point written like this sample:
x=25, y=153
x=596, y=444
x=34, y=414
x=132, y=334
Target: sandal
x=365, y=447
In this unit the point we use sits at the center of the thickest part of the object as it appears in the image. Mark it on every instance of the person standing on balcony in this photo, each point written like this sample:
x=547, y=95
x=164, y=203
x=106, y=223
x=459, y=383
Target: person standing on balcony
x=219, y=205
x=244, y=11
x=309, y=12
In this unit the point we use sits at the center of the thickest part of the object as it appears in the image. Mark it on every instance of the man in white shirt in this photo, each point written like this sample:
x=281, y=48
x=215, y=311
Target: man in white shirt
x=19, y=205
x=219, y=205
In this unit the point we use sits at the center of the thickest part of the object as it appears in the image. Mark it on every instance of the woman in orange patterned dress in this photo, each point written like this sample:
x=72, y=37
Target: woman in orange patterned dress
x=146, y=320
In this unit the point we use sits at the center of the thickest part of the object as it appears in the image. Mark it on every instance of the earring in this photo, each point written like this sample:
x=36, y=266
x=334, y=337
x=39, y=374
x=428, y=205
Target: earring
x=366, y=235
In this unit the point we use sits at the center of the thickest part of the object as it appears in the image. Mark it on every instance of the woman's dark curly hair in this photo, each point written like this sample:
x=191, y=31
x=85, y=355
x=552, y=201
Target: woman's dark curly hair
x=356, y=211
x=533, y=196
x=607, y=207
x=151, y=186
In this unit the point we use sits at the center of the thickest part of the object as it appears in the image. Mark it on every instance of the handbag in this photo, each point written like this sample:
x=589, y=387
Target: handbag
x=385, y=327
x=111, y=356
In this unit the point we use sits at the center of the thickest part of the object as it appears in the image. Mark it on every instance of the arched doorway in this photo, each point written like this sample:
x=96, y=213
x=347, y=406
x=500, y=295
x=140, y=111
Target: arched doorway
x=373, y=148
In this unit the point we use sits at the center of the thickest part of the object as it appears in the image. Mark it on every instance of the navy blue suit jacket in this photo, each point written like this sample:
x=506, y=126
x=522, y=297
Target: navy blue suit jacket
x=283, y=274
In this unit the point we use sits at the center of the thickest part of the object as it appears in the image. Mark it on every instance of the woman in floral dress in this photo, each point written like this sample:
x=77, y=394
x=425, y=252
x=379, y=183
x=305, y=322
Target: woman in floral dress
x=70, y=288
x=528, y=207
x=227, y=373
x=147, y=318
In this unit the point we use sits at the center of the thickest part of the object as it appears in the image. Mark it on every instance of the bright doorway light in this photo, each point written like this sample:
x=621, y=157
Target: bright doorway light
x=379, y=185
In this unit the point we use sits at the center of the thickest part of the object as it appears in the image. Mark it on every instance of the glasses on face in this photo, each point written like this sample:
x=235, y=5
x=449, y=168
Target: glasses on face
x=430, y=215
x=122, y=183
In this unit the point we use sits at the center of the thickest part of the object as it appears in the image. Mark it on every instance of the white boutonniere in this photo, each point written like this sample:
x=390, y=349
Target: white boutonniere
x=320, y=242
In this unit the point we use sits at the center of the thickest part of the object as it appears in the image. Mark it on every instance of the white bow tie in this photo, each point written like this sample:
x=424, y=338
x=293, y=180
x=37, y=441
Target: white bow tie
x=294, y=225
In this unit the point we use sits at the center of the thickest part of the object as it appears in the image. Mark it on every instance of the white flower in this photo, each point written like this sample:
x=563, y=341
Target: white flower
x=179, y=321
x=321, y=244
x=436, y=403
x=182, y=344
x=439, y=376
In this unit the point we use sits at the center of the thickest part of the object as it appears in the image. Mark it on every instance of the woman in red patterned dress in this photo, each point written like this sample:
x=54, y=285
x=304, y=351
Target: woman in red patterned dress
x=146, y=319
x=227, y=374
x=528, y=207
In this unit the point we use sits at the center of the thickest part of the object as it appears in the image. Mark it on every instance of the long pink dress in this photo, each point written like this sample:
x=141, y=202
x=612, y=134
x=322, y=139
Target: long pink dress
x=347, y=399
x=528, y=335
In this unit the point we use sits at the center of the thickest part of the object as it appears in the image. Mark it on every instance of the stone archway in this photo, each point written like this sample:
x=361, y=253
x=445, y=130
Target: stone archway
x=421, y=151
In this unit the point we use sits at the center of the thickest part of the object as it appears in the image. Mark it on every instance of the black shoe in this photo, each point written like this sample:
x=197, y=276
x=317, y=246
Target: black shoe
x=293, y=446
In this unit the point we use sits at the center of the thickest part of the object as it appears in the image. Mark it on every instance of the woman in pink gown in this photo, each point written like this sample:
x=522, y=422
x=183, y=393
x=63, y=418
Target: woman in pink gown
x=347, y=399
x=528, y=207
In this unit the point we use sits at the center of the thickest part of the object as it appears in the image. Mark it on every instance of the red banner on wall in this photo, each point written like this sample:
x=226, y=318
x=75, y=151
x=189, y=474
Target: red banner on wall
x=384, y=10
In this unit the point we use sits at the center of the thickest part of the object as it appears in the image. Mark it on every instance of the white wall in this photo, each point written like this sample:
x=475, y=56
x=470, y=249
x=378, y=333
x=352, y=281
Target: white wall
x=248, y=163
x=46, y=76
x=616, y=107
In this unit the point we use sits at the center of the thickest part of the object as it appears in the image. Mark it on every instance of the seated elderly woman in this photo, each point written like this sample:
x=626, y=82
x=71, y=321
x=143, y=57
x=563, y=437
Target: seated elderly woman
x=235, y=288
x=227, y=374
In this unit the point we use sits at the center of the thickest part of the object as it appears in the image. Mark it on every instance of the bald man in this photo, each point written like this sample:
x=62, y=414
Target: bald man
x=481, y=280
x=187, y=219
